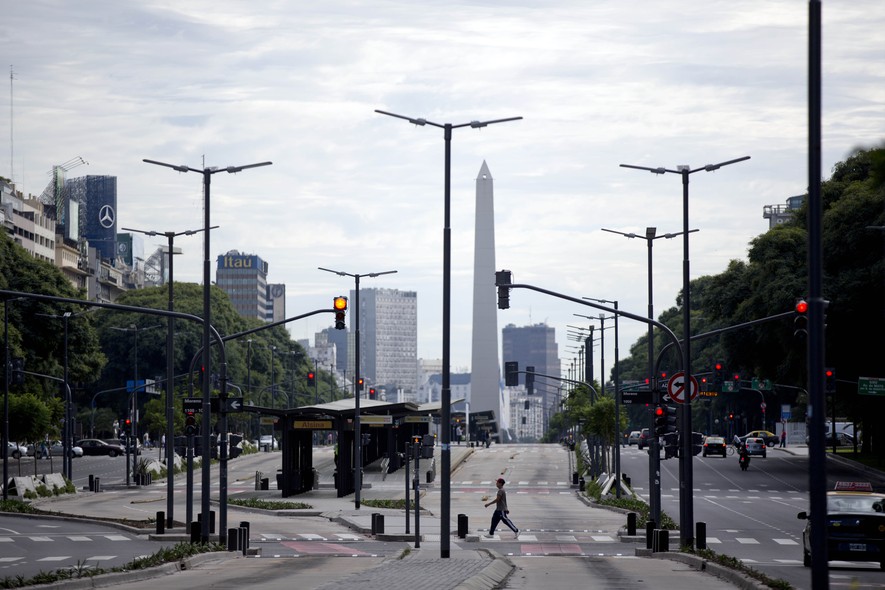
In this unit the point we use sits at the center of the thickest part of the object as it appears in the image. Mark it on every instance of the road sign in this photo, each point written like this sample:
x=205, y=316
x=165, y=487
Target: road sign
x=676, y=387
x=194, y=404
x=870, y=386
x=635, y=396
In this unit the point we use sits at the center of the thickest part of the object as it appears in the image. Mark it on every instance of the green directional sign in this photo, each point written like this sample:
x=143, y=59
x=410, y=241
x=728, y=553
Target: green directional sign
x=730, y=387
x=870, y=386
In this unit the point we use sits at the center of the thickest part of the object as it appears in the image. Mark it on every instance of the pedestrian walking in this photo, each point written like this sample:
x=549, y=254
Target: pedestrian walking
x=501, y=513
x=783, y=438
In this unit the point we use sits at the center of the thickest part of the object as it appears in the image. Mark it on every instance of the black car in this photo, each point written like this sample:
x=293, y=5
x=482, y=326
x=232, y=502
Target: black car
x=644, y=439
x=93, y=446
x=855, y=525
x=714, y=445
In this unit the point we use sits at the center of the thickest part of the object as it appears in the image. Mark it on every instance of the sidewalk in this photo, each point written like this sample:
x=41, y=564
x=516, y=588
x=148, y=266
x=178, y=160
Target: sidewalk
x=472, y=565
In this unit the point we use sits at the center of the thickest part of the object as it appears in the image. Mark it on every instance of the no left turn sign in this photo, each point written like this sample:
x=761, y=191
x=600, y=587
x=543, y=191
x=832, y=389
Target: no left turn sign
x=676, y=387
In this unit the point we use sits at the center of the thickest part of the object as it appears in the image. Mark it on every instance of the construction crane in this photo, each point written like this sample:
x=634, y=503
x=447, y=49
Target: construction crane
x=53, y=194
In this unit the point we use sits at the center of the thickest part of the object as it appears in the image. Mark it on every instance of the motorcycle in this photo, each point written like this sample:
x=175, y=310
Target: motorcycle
x=744, y=461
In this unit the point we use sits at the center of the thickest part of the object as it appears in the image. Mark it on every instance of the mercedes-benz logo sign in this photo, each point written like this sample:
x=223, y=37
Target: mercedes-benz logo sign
x=106, y=216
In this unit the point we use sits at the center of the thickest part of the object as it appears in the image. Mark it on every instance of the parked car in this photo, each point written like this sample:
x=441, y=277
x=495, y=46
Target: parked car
x=94, y=446
x=644, y=439
x=770, y=438
x=14, y=451
x=841, y=439
x=714, y=445
x=134, y=446
x=633, y=437
x=266, y=442
x=56, y=449
x=756, y=446
x=855, y=525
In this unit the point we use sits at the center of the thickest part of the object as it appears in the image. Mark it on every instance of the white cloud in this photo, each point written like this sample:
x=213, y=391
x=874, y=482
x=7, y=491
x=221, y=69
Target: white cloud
x=599, y=84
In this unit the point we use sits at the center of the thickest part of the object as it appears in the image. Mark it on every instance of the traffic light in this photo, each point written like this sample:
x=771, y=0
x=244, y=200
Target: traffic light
x=800, y=321
x=671, y=421
x=18, y=367
x=359, y=383
x=830, y=380
x=339, y=304
x=719, y=373
x=127, y=424
x=511, y=376
x=190, y=423
x=311, y=379
x=372, y=393
x=530, y=380
x=660, y=421
x=502, y=279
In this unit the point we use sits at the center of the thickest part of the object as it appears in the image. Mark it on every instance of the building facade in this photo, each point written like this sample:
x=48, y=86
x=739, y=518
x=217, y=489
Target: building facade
x=534, y=346
x=388, y=338
x=244, y=278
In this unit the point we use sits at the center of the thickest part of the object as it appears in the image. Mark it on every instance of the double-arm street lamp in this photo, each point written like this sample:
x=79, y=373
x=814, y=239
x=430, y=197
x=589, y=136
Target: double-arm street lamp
x=357, y=443
x=207, y=324
x=170, y=370
x=654, y=459
x=446, y=393
x=133, y=412
x=686, y=509
x=67, y=428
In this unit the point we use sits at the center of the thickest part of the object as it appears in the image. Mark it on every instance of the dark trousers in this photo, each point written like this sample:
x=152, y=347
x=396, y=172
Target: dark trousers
x=499, y=516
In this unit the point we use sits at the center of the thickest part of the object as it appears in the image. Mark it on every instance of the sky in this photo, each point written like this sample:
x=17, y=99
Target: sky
x=598, y=84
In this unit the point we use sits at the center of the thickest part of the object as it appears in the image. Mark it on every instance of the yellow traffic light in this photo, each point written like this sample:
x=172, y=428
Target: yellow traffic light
x=340, y=303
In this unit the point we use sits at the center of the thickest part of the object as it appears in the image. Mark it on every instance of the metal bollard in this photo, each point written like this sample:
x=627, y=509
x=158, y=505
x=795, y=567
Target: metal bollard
x=233, y=539
x=661, y=541
x=582, y=485
x=211, y=522
x=377, y=523
x=244, y=525
x=243, y=538
x=91, y=483
x=161, y=523
x=97, y=487
x=195, y=531
x=631, y=524
x=462, y=526
x=649, y=533
x=258, y=475
x=701, y=535
x=574, y=478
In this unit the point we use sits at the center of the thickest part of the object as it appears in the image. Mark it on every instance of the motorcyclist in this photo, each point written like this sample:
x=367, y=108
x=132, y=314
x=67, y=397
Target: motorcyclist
x=743, y=457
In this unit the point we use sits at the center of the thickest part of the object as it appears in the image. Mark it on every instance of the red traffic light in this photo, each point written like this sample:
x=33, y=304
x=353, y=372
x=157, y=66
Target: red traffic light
x=801, y=306
x=310, y=375
x=718, y=366
x=828, y=373
x=659, y=411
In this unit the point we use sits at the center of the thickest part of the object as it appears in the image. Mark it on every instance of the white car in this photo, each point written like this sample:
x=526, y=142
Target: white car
x=633, y=438
x=267, y=442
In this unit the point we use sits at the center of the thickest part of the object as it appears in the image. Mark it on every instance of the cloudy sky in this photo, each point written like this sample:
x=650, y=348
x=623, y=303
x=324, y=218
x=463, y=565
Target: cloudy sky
x=653, y=83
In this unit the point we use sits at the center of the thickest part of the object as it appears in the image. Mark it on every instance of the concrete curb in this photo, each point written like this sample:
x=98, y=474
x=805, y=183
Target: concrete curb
x=119, y=578
x=731, y=576
x=492, y=576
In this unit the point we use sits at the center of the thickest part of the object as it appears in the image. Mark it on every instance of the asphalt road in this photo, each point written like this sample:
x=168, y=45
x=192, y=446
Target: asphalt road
x=752, y=515
x=29, y=545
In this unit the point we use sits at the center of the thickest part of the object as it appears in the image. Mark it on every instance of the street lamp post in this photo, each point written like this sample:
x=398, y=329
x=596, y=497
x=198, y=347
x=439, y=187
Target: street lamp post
x=446, y=394
x=686, y=507
x=6, y=377
x=170, y=365
x=654, y=462
x=133, y=433
x=207, y=333
x=357, y=442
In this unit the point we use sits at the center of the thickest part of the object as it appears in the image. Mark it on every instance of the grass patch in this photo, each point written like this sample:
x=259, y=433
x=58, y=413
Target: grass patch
x=268, y=504
x=390, y=504
x=81, y=570
x=736, y=564
x=633, y=504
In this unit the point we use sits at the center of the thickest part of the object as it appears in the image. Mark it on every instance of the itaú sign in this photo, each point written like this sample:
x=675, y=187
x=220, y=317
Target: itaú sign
x=238, y=261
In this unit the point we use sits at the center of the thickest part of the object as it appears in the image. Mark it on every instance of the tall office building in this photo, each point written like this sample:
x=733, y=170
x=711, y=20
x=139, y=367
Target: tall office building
x=485, y=380
x=534, y=346
x=276, y=302
x=244, y=278
x=388, y=338
x=94, y=200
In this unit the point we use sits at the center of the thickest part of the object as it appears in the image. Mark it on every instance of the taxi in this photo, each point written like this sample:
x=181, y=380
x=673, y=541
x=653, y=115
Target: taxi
x=855, y=525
